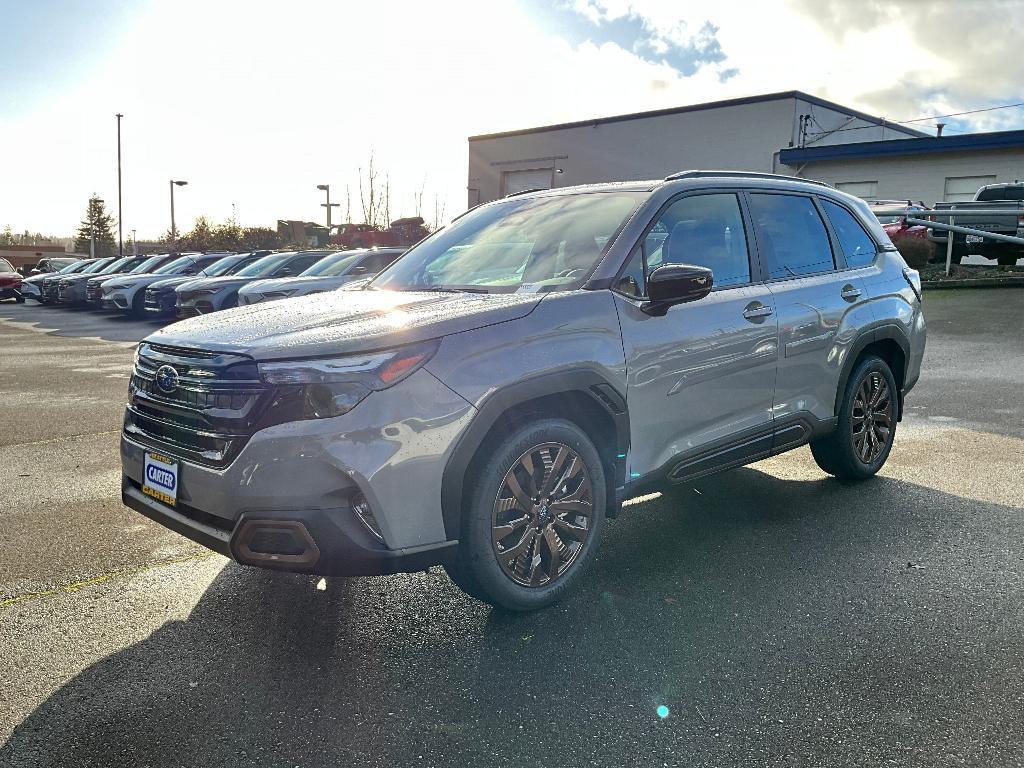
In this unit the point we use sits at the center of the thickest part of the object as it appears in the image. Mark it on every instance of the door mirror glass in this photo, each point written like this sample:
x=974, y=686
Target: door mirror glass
x=677, y=284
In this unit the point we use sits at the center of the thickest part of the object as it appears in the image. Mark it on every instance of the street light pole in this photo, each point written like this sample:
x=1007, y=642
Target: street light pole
x=135, y=245
x=120, y=238
x=174, y=233
x=328, y=205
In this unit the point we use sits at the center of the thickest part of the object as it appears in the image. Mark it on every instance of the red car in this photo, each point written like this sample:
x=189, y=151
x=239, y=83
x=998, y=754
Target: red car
x=896, y=226
x=10, y=282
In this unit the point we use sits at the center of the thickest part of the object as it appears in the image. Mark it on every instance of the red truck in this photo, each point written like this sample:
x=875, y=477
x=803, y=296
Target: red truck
x=401, y=232
x=10, y=282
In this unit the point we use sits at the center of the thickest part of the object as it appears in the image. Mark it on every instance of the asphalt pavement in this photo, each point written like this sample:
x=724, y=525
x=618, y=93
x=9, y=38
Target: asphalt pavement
x=765, y=616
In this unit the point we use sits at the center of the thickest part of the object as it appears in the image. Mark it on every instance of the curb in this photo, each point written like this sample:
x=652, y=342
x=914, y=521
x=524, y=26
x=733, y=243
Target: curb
x=985, y=282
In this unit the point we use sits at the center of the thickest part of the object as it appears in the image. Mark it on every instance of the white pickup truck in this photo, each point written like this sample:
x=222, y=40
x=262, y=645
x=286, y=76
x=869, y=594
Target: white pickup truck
x=990, y=197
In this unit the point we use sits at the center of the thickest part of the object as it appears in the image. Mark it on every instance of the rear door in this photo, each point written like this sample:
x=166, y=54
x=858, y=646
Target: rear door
x=701, y=377
x=819, y=300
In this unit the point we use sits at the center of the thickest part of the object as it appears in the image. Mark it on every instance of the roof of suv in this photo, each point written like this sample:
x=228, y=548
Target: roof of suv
x=744, y=178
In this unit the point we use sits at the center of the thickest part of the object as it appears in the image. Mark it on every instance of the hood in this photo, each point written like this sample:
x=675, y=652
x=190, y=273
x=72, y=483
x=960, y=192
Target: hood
x=343, y=322
x=86, y=278
x=174, y=282
x=215, y=282
x=146, y=278
x=36, y=279
x=296, y=283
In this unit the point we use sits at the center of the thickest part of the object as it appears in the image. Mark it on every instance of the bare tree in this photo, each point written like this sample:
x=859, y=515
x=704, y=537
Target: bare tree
x=375, y=199
x=439, y=210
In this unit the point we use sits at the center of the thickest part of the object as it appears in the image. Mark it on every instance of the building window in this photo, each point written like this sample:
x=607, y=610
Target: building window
x=865, y=190
x=960, y=189
x=520, y=181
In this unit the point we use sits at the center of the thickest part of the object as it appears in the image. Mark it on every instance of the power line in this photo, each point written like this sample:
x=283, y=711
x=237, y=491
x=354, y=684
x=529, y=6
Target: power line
x=957, y=114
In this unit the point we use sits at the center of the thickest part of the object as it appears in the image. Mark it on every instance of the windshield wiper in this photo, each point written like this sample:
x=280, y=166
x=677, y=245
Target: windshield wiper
x=454, y=289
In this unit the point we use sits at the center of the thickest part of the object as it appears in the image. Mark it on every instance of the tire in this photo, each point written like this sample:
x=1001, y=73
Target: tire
x=843, y=452
x=1007, y=259
x=19, y=299
x=571, y=476
x=138, y=310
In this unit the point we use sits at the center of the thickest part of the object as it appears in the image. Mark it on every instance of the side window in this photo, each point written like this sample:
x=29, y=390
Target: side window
x=631, y=281
x=303, y=263
x=858, y=247
x=791, y=235
x=705, y=230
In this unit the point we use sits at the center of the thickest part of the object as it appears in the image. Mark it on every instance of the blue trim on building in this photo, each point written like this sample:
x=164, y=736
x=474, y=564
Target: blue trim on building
x=893, y=147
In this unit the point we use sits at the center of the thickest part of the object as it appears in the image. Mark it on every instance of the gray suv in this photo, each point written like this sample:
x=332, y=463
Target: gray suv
x=488, y=400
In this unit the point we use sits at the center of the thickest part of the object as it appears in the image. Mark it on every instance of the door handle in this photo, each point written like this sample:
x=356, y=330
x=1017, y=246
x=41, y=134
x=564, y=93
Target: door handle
x=850, y=293
x=755, y=311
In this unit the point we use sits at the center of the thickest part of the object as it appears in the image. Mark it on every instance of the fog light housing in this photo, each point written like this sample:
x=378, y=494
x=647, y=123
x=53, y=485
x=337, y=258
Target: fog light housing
x=365, y=514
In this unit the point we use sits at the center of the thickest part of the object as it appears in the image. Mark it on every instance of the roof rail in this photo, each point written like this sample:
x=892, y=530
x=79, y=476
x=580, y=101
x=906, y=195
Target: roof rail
x=741, y=175
x=528, y=191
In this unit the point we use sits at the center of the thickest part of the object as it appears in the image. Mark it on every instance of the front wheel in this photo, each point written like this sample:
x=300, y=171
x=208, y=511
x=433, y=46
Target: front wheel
x=1007, y=259
x=859, y=445
x=533, y=519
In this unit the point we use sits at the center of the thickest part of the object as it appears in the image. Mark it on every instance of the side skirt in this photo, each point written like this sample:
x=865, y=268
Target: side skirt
x=794, y=431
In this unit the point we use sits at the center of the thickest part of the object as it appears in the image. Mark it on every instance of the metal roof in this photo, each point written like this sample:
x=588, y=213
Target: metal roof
x=922, y=146
x=705, y=105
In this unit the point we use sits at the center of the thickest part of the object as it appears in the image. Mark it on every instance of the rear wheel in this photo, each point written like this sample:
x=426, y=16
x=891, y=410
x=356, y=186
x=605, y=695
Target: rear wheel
x=859, y=445
x=1007, y=259
x=534, y=517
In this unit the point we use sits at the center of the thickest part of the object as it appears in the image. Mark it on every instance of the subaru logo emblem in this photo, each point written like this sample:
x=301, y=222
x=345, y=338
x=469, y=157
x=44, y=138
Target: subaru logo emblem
x=166, y=379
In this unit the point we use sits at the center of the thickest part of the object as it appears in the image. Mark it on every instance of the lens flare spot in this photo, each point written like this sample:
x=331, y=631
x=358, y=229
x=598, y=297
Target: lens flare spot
x=662, y=711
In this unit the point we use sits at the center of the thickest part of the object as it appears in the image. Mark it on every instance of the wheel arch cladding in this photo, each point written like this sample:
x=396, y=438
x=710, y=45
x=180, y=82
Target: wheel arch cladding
x=890, y=344
x=583, y=397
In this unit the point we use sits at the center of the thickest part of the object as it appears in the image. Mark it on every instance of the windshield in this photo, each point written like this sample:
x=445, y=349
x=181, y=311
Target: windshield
x=115, y=266
x=221, y=266
x=524, y=244
x=889, y=219
x=6, y=266
x=175, y=266
x=333, y=265
x=95, y=266
x=148, y=264
x=78, y=266
x=1002, y=193
x=265, y=266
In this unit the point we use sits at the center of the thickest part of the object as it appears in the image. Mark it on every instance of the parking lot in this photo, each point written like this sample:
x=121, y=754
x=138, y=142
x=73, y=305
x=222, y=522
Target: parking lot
x=780, y=616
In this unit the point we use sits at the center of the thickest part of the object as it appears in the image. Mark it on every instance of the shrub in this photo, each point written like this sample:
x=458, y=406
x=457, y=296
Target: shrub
x=916, y=251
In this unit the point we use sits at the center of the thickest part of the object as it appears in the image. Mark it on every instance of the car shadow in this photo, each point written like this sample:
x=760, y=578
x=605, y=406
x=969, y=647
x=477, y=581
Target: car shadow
x=784, y=615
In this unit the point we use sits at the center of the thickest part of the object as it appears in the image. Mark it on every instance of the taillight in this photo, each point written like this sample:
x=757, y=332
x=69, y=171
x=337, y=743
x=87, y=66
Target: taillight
x=913, y=278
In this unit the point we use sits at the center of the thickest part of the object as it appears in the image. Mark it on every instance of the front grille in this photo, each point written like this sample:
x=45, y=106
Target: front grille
x=208, y=417
x=92, y=291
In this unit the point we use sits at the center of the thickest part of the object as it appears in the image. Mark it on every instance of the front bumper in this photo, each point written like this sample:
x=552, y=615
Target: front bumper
x=117, y=300
x=10, y=293
x=30, y=291
x=159, y=302
x=391, y=450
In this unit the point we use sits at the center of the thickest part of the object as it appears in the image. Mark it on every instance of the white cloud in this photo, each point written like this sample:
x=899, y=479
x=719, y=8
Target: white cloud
x=256, y=104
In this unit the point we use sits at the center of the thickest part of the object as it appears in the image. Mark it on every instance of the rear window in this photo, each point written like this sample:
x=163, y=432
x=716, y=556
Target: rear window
x=857, y=246
x=1015, y=192
x=791, y=235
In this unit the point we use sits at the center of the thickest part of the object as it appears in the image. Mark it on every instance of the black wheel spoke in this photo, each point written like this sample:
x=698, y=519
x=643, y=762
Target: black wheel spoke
x=542, y=514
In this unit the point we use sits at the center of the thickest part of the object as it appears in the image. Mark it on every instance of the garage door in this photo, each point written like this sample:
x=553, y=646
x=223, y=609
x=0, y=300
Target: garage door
x=866, y=190
x=520, y=181
x=960, y=189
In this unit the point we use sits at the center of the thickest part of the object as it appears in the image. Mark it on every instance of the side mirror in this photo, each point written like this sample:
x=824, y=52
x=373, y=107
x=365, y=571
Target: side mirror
x=360, y=270
x=674, y=284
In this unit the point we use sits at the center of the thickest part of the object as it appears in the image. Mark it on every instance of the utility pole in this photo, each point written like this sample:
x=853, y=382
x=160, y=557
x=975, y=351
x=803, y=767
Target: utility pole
x=120, y=239
x=135, y=245
x=328, y=205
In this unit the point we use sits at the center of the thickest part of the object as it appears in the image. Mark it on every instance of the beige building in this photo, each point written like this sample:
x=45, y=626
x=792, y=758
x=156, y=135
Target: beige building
x=790, y=132
x=29, y=255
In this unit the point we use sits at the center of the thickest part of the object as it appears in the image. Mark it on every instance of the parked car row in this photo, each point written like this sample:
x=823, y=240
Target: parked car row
x=189, y=284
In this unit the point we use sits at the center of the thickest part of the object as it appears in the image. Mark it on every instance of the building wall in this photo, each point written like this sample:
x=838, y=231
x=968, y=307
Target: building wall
x=917, y=177
x=743, y=136
x=29, y=255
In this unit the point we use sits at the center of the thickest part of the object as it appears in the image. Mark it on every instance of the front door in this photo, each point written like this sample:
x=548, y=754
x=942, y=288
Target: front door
x=701, y=376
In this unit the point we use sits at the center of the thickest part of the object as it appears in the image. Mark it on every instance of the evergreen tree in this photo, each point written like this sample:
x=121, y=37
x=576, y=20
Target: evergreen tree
x=99, y=224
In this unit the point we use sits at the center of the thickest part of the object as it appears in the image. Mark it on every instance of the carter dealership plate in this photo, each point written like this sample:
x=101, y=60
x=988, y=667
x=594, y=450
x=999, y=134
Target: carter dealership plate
x=160, y=478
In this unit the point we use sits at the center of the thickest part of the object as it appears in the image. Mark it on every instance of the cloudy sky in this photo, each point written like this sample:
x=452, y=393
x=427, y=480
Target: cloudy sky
x=255, y=103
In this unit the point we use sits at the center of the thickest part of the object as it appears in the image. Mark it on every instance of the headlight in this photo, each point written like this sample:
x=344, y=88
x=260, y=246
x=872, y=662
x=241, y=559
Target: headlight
x=325, y=387
x=122, y=285
x=279, y=294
